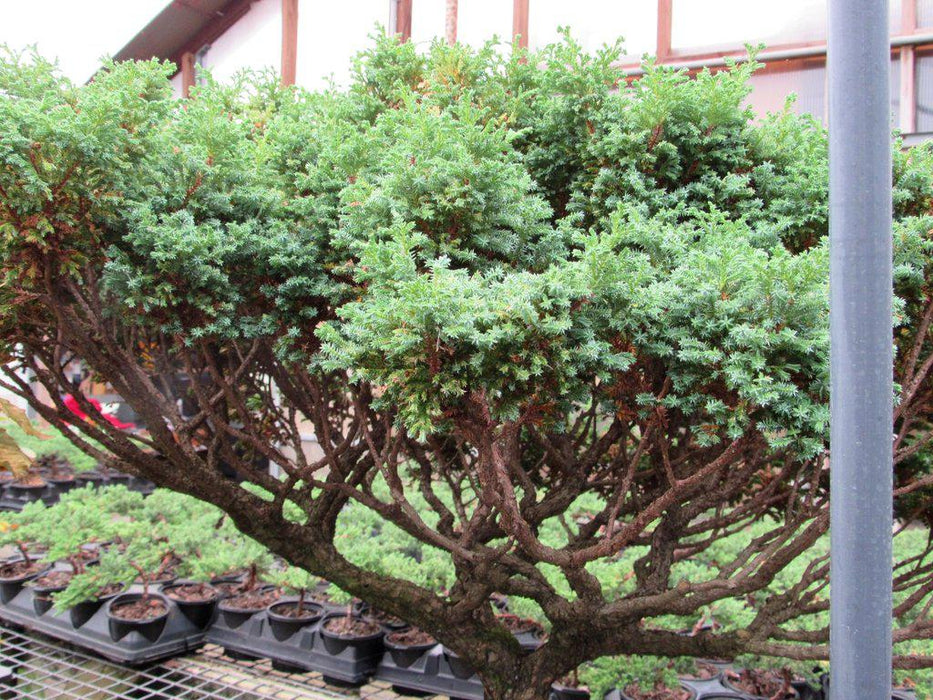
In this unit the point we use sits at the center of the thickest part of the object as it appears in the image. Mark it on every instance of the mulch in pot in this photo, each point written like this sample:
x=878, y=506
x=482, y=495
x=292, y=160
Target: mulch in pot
x=636, y=692
x=387, y=620
x=19, y=569
x=345, y=626
x=768, y=683
x=518, y=625
x=290, y=609
x=252, y=600
x=192, y=592
x=412, y=637
x=108, y=590
x=53, y=580
x=228, y=588
x=141, y=609
x=156, y=577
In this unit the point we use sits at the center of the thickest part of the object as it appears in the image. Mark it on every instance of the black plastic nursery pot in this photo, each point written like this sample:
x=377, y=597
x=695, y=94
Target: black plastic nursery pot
x=226, y=585
x=563, y=692
x=115, y=478
x=90, y=478
x=12, y=580
x=404, y=655
x=529, y=634
x=459, y=667
x=200, y=612
x=283, y=625
x=16, y=495
x=235, y=615
x=42, y=592
x=62, y=484
x=431, y=671
x=140, y=485
x=389, y=623
x=149, y=627
x=335, y=642
x=85, y=610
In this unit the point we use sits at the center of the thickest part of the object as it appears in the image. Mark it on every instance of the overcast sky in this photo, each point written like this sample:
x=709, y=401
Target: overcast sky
x=76, y=32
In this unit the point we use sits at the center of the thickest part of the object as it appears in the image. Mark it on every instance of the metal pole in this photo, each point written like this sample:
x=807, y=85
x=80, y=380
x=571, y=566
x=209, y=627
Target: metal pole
x=861, y=349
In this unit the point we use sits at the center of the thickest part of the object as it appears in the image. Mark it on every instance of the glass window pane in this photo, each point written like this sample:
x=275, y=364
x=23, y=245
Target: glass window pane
x=805, y=79
x=924, y=90
x=723, y=23
x=895, y=87
x=924, y=13
x=714, y=24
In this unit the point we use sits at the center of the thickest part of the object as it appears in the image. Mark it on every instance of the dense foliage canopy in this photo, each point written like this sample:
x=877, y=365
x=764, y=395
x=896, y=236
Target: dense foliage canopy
x=565, y=330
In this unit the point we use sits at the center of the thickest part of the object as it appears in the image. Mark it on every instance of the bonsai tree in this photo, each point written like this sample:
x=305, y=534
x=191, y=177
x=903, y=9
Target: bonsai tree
x=504, y=291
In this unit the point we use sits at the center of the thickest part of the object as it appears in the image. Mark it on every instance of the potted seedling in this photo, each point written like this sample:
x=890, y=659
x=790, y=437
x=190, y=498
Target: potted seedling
x=87, y=592
x=164, y=572
x=252, y=595
x=57, y=470
x=143, y=612
x=286, y=617
x=349, y=629
x=26, y=565
x=27, y=487
x=208, y=548
x=16, y=572
x=196, y=599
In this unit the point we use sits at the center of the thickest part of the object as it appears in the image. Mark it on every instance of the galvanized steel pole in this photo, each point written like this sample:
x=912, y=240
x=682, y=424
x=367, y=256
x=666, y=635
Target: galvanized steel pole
x=861, y=349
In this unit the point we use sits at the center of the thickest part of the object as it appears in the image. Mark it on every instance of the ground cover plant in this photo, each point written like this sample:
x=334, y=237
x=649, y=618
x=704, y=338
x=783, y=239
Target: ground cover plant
x=566, y=333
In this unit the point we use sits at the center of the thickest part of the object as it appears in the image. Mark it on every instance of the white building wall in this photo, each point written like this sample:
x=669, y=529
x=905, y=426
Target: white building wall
x=427, y=20
x=253, y=42
x=330, y=34
x=596, y=22
x=176, y=84
x=478, y=21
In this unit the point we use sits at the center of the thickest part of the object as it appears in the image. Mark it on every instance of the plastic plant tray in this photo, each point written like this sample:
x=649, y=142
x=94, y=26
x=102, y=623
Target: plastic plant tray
x=177, y=634
x=301, y=652
x=430, y=674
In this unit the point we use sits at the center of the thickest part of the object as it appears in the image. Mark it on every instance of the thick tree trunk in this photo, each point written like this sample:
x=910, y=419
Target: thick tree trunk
x=520, y=688
x=517, y=679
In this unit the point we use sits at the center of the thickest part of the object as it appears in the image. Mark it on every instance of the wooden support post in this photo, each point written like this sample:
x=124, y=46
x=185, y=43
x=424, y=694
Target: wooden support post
x=187, y=73
x=289, y=41
x=403, y=20
x=450, y=21
x=908, y=83
x=520, y=22
x=665, y=15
